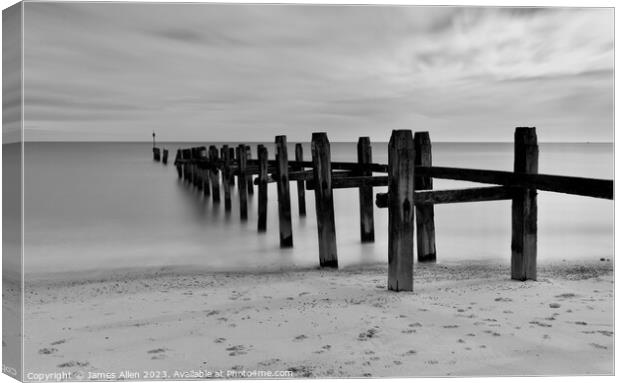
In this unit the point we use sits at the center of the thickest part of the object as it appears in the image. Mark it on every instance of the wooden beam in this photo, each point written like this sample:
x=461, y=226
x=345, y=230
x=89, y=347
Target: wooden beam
x=284, y=196
x=324, y=200
x=436, y=197
x=353, y=182
x=524, y=208
x=401, y=211
x=367, y=226
x=424, y=213
x=588, y=187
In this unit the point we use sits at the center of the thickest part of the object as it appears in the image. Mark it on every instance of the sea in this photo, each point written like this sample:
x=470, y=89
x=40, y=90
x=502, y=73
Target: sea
x=109, y=206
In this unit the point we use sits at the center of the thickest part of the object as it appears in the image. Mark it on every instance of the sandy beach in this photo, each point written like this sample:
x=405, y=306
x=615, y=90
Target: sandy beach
x=464, y=319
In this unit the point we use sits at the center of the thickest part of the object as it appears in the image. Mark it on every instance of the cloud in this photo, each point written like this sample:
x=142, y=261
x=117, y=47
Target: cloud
x=225, y=71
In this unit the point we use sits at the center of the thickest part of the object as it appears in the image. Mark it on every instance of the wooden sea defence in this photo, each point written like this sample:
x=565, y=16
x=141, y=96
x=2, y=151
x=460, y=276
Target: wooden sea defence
x=410, y=198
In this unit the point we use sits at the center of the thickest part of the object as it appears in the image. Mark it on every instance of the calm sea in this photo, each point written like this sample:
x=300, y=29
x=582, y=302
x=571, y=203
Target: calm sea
x=96, y=206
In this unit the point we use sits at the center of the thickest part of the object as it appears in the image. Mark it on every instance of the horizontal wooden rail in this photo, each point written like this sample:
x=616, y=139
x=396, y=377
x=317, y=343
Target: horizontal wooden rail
x=588, y=187
x=434, y=197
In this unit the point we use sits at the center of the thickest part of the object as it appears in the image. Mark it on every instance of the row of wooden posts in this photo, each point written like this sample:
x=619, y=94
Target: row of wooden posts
x=157, y=155
x=410, y=198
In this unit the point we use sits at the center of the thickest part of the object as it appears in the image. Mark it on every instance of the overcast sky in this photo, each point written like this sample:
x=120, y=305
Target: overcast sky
x=222, y=72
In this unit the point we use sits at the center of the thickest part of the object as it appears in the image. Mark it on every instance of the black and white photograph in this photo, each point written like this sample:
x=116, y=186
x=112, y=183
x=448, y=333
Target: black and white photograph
x=212, y=190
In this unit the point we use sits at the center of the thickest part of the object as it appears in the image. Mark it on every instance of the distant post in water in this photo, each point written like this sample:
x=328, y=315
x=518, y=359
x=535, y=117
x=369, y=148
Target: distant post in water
x=367, y=225
x=250, y=181
x=301, y=192
x=231, y=154
x=225, y=176
x=178, y=165
x=322, y=171
x=284, y=197
x=205, y=173
x=164, y=159
x=424, y=214
x=186, y=155
x=262, y=188
x=241, y=180
x=524, y=208
x=215, y=179
x=401, y=207
x=198, y=168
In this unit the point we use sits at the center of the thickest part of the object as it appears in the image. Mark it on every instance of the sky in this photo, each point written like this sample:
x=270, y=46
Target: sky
x=228, y=72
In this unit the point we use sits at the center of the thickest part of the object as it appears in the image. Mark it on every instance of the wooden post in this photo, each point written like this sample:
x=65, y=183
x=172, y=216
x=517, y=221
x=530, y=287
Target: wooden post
x=322, y=171
x=156, y=154
x=241, y=180
x=198, y=180
x=424, y=214
x=284, y=197
x=262, y=188
x=301, y=191
x=524, y=208
x=225, y=177
x=401, y=207
x=179, y=166
x=367, y=225
x=231, y=154
x=215, y=177
x=164, y=159
x=205, y=173
x=250, y=181
x=186, y=156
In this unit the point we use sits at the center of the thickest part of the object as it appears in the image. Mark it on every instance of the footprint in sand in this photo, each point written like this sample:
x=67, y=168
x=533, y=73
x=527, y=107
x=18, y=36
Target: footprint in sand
x=363, y=336
x=554, y=305
x=410, y=352
x=300, y=337
x=73, y=363
x=47, y=351
x=61, y=341
x=268, y=362
x=158, y=353
x=220, y=340
x=599, y=346
x=237, y=350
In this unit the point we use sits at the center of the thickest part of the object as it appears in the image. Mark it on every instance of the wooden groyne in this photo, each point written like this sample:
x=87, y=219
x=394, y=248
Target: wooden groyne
x=410, y=198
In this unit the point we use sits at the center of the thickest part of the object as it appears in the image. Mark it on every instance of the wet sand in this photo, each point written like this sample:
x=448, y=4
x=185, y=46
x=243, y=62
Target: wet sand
x=463, y=319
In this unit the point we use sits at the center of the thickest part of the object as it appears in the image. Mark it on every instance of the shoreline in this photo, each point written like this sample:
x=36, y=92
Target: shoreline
x=463, y=319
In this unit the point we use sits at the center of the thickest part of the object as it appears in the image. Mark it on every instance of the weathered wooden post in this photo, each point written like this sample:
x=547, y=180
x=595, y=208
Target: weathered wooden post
x=262, y=188
x=424, y=214
x=301, y=190
x=205, y=173
x=225, y=177
x=200, y=166
x=178, y=165
x=194, y=167
x=241, y=180
x=156, y=154
x=215, y=177
x=186, y=155
x=249, y=181
x=401, y=206
x=524, y=208
x=367, y=224
x=231, y=154
x=284, y=197
x=164, y=159
x=322, y=172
